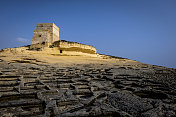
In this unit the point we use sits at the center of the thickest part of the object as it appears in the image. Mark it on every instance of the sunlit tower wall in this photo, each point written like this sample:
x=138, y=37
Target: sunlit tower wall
x=45, y=32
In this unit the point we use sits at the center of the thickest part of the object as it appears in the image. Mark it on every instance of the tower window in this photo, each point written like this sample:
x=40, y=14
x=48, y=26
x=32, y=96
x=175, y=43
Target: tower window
x=40, y=35
x=43, y=43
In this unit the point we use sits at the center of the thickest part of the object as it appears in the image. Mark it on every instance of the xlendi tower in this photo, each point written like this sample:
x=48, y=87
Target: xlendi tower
x=46, y=37
x=45, y=32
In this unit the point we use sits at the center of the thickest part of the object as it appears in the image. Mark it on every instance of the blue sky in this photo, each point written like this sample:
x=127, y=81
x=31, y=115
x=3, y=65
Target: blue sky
x=142, y=30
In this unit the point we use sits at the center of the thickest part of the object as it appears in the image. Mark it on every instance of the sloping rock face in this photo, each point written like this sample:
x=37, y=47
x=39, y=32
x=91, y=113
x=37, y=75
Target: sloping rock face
x=74, y=46
x=34, y=88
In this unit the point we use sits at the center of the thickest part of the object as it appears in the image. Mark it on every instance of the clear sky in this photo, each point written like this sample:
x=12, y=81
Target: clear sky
x=142, y=30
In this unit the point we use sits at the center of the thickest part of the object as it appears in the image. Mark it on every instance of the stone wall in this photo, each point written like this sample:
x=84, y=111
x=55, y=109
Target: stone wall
x=40, y=36
x=39, y=46
x=55, y=33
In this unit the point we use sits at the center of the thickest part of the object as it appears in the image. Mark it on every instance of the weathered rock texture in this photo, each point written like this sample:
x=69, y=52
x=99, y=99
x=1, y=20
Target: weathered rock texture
x=65, y=46
x=30, y=86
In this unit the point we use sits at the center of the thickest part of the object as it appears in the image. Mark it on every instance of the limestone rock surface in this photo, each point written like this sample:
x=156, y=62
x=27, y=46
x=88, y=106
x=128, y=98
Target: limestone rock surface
x=67, y=86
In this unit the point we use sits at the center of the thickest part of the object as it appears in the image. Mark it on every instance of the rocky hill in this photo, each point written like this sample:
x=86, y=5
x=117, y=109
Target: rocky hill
x=48, y=85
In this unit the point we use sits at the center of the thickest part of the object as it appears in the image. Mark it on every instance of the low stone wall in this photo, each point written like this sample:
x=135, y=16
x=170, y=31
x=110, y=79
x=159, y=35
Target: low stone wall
x=39, y=46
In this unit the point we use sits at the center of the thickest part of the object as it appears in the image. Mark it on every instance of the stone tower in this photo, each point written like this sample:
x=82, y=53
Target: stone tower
x=45, y=32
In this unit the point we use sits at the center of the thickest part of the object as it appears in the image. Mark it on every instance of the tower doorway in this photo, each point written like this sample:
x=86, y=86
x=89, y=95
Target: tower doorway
x=60, y=51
